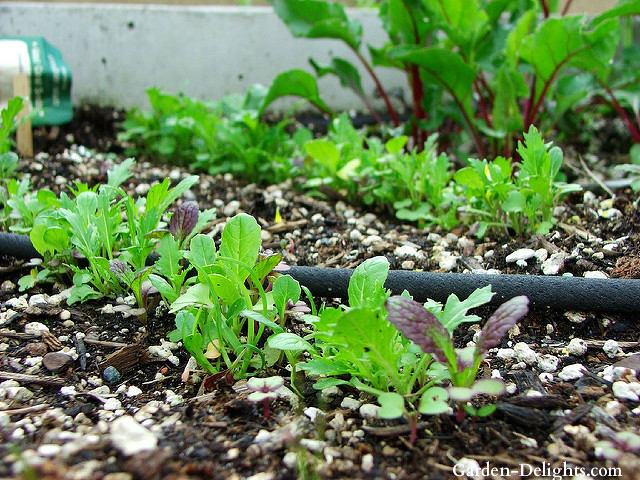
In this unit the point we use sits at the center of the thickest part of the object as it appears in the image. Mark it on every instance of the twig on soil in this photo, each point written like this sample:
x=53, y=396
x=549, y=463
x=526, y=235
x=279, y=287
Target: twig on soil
x=21, y=377
x=20, y=411
x=595, y=178
x=104, y=343
x=393, y=431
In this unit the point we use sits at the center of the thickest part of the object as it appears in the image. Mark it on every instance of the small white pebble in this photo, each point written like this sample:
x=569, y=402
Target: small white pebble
x=546, y=377
x=571, y=372
x=624, y=391
x=548, y=363
x=133, y=391
x=577, y=347
x=350, y=403
x=613, y=408
x=368, y=463
x=524, y=353
x=369, y=410
x=595, y=274
x=611, y=348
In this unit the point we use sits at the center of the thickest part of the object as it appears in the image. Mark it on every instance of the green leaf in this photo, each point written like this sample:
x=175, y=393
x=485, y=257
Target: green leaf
x=285, y=288
x=622, y=9
x=488, y=387
x=196, y=295
x=325, y=152
x=367, y=281
x=120, y=173
x=49, y=238
x=318, y=19
x=455, y=311
x=515, y=202
x=240, y=241
x=260, y=318
x=446, y=68
x=202, y=251
x=289, y=342
x=323, y=383
x=348, y=75
x=297, y=83
x=434, y=401
x=391, y=405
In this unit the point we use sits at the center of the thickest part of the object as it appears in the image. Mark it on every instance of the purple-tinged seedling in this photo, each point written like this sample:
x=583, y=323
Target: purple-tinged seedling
x=422, y=327
x=621, y=443
x=135, y=281
x=184, y=221
x=263, y=390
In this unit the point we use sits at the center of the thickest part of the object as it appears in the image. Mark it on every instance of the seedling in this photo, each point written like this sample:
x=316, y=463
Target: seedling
x=264, y=390
x=423, y=328
x=621, y=443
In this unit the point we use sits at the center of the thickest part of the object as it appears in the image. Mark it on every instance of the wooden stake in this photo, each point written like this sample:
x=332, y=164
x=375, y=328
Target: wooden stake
x=24, y=137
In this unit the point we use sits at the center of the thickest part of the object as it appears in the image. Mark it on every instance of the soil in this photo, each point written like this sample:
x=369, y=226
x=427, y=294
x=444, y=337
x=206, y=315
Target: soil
x=62, y=425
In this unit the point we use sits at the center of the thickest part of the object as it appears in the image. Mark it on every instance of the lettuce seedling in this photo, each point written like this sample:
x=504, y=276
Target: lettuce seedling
x=264, y=390
x=183, y=222
x=423, y=328
x=135, y=281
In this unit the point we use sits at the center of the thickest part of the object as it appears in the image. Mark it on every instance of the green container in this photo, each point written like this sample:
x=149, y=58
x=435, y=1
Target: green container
x=50, y=78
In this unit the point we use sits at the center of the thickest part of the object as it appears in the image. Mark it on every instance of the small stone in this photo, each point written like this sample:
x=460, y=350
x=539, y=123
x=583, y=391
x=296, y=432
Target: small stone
x=577, y=347
x=369, y=411
x=7, y=286
x=368, y=463
x=231, y=208
x=613, y=408
x=142, y=188
x=57, y=361
x=48, y=450
x=233, y=453
x=447, y=262
x=541, y=255
x=371, y=240
x=130, y=438
x=572, y=372
x=35, y=328
x=575, y=317
x=408, y=265
x=522, y=254
x=65, y=315
x=595, y=274
x=133, y=391
x=553, y=264
x=68, y=391
x=355, y=235
x=38, y=300
x=548, y=363
x=112, y=404
x=524, y=353
x=290, y=460
x=313, y=445
x=611, y=348
x=408, y=251
x=312, y=413
x=469, y=468
x=506, y=353
x=111, y=375
x=626, y=391
x=350, y=403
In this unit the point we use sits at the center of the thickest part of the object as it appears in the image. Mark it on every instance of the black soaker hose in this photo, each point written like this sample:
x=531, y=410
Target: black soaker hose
x=564, y=293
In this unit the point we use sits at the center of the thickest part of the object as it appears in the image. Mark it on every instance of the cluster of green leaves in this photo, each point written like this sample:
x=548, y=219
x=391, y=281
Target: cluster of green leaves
x=520, y=195
x=8, y=158
x=222, y=316
x=226, y=136
x=421, y=186
x=100, y=234
x=492, y=66
x=359, y=343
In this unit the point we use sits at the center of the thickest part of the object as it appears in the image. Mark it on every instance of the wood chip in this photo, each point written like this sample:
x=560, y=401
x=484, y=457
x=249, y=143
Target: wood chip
x=23, y=378
x=127, y=358
x=287, y=226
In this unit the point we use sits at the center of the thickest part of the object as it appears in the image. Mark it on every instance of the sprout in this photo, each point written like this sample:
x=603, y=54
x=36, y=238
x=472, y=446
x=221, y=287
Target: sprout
x=263, y=390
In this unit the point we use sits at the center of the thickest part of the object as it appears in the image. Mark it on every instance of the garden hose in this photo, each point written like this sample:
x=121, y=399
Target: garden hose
x=564, y=293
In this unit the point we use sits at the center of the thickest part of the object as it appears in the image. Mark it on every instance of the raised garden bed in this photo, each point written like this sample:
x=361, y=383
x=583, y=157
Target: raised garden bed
x=61, y=424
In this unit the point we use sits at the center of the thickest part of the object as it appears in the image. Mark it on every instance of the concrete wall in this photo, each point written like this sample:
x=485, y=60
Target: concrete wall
x=117, y=51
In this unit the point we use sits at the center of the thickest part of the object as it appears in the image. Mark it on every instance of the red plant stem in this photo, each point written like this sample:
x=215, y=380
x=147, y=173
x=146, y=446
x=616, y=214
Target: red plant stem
x=633, y=130
x=367, y=104
x=460, y=414
x=545, y=8
x=413, y=424
x=418, y=94
x=529, y=119
x=566, y=7
x=485, y=85
x=482, y=104
x=267, y=411
x=383, y=92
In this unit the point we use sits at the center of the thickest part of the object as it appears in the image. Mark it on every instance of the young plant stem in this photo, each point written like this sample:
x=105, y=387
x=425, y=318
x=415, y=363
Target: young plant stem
x=266, y=408
x=413, y=425
x=483, y=107
x=418, y=94
x=633, y=129
x=383, y=92
x=566, y=7
x=460, y=414
x=545, y=8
